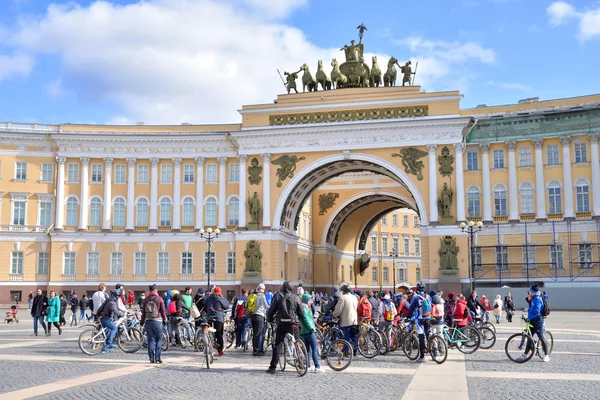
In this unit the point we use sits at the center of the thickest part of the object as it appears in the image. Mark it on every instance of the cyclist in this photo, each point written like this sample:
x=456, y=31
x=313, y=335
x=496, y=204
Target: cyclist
x=416, y=315
x=374, y=305
x=239, y=316
x=186, y=297
x=176, y=309
x=307, y=331
x=536, y=320
x=387, y=311
x=199, y=302
x=259, y=314
x=107, y=313
x=346, y=310
x=450, y=308
x=365, y=310
x=216, y=306
x=473, y=304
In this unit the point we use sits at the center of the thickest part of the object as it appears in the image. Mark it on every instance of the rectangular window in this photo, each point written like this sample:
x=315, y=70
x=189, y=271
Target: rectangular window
x=19, y=212
x=502, y=258
x=529, y=260
x=341, y=267
x=45, y=213
x=394, y=220
x=552, y=154
x=116, y=263
x=386, y=275
x=395, y=245
x=401, y=274
x=142, y=173
x=69, y=263
x=406, y=245
x=93, y=263
x=417, y=246
x=120, y=173
x=188, y=173
x=234, y=172
x=350, y=272
x=42, y=262
x=585, y=256
x=580, y=152
x=582, y=197
x=418, y=274
x=139, y=266
x=210, y=256
x=556, y=257
x=166, y=173
x=415, y=222
x=16, y=263
x=163, y=266
x=374, y=274
x=384, y=244
x=477, y=259
x=374, y=244
x=472, y=161
x=96, y=173
x=231, y=262
x=211, y=172
x=525, y=156
x=47, y=172
x=384, y=221
x=406, y=221
x=73, y=173
x=186, y=262
x=498, y=158
x=21, y=171
x=473, y=203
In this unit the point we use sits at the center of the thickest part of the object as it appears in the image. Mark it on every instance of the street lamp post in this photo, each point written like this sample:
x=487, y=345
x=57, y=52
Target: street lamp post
x=471, y=227
x=394, y=256
x=209, y=236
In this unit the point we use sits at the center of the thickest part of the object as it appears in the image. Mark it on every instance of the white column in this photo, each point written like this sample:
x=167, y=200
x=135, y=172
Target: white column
x=540, y=184
x=129, y=225
x=266, y=222
x=83, y=206
x=243, y=195
x=106, y=225
x=595, y=174
x=222, y=222
x=513, y=202
x=153, y=225
x=433, y=194
x=567, y=177
x=485, y=181
x=60, y=194
x=199, y=193
x=460, y=182
x=177, y=193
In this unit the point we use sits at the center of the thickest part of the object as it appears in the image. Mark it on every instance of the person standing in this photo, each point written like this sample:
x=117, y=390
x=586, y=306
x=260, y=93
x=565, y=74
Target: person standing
x=199, y=301
x=258, y=318
x=509, y=306
x=38, y=311
x=216, y=306
x=269, y=297
x=63, y=309
x=238, y=315
x=54, y=310
x=74, y=309
x=130, y=299
x=187, y=300
x=485, y=302
x=141, y=300
x=307, y=333
x=154, y=317
x=374, y=305
x=83, y=306
x=498, y=308
x=346, y=310
x=30, y=300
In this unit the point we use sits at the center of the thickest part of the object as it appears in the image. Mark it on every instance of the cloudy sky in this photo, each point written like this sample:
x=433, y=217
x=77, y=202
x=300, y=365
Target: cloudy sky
x=198, y=61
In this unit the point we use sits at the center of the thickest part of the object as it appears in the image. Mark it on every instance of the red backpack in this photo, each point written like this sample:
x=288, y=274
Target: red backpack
x=172, y=308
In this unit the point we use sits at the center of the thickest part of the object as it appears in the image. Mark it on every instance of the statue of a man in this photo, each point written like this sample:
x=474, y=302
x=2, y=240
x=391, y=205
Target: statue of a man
x=291, y=77
x=254, y=207
x=445, y=200
x=407, y=73
x=350, y=51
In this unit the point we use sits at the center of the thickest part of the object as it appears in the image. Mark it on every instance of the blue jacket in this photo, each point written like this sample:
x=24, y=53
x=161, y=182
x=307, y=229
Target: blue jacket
x=168, y=299
x=269, y=297
x=535, y=306
x=415, y=306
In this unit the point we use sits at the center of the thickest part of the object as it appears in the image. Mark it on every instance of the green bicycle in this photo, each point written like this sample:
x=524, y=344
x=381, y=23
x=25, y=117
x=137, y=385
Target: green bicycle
x=520, y=347
x=466, y=339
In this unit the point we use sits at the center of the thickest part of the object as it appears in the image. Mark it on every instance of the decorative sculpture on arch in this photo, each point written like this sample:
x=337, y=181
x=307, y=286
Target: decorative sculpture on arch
x=253, y=256
x=287, y=166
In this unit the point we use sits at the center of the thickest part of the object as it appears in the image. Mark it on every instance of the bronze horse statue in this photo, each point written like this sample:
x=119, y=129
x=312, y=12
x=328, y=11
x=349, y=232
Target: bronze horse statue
x=375, y=73
x=322, y=77
x=307, y=80
x=389, y=78
x=338, y=79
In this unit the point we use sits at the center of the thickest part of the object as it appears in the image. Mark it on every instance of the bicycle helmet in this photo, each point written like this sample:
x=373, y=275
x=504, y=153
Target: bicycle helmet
x=346, y=289
x=420, y=287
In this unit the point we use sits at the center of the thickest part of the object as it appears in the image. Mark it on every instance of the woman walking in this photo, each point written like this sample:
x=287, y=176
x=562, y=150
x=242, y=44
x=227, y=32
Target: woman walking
x=498, y=308
x=53, y=315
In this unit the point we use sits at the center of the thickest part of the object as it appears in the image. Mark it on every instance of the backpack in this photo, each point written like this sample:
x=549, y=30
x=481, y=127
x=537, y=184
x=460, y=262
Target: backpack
x=365, y=306
x=425, y=307
x=151, y=309
x=172, y=308
x=437, y=311
x=90, y=304
x=285, y=312
x=240, y=309
x=100, y=311
x=388, y=311
x=545, y=308
x=250, y=306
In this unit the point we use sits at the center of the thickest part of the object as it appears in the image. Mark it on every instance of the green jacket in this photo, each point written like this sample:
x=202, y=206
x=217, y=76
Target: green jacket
x=187, y=300
x=307, y=324
x=53, y=310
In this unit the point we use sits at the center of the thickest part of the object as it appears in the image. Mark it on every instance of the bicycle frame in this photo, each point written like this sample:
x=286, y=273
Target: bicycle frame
x=452, y=338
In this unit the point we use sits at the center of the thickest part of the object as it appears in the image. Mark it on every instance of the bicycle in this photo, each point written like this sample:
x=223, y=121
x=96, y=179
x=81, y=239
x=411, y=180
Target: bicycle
x=369, y=341
x=293, y=352
x=204, y=342
x=338, y=353
x=92, y=340
x=525, y=340
x=165, y=338
x=466, y=339
x=488, y=335
x=229, y=333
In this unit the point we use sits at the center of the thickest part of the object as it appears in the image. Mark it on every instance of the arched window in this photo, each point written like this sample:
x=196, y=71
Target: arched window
x=165, y=212
x=95, y=211
x=234, y=211
x=119, y=212
x=500, y=201
x=72, y=211
x=473, y=202
x=210, y=219
x=188, y=212
x=554, y=198
x=142, y=212
x=527, y=198
x=582, y=189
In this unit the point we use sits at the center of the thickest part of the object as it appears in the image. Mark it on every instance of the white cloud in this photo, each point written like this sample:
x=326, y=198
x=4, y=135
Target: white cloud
x=589, y=21
x=13, y=65
x=510, y=86
x=54, y=89
x=560, y=12
x=275, y=8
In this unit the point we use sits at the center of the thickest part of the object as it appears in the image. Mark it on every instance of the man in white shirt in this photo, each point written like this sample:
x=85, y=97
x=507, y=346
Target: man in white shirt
x=99, y=297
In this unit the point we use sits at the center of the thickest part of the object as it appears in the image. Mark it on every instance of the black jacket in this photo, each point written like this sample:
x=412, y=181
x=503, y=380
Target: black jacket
x=473, y=304
x=63, y=307
x=39, y=305
x=216, y=307
x=280, y=302
x=109, y=309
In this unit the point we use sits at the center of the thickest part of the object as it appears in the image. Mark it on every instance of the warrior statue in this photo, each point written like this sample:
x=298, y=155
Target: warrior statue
x=291, y=80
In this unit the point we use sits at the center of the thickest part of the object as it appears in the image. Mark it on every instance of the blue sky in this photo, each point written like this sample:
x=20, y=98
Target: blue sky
x=173, y=61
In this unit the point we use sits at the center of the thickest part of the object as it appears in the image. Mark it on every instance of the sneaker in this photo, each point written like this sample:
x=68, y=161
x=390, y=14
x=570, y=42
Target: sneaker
x=319, y=370
x=112, y=346
x=311, y=369
x=420, y=360
x=221, y=354
x=523, y=357
x=152, y=361
x=546, y=358
x=105, y=351
x=271, y=371
x=159, y=361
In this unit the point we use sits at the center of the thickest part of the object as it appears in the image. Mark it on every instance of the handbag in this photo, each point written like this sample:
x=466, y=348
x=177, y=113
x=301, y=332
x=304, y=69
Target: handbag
x=194, y=312
x=496, y=305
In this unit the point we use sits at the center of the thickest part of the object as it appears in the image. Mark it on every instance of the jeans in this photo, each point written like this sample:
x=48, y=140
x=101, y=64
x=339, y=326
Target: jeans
x=74, y=317
x=109, y=324
x=351, y=335
x=487, y=316
x=173, y=323
x=218, y=334
x=538, y=326
x=282, y=330
x=258, y=327
x=154, y=331
x=240, y=327
x=35, y=324
x=30, y=303
x=312, y=348
x=187, y=318
x=82, y=314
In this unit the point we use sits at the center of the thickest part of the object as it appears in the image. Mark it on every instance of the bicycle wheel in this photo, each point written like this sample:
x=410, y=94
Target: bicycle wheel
x=410, y=346
x=384, y=343
x=165, y=342
x=516, y=346
x=300, y=358
x=489, y=325
x=469, y=340
x=145, y=344
x=130, y=340
x=198, y=345
x=320, y=344
x=369, y=344
x=182, y=339
x=90, y=341
x=282, y=358
x=437, y=349
x=230, y=337
x=208, y=355
x=549, y=341
x=339, y=355
x=488, y=338
x=394, y=339
x=248, y=342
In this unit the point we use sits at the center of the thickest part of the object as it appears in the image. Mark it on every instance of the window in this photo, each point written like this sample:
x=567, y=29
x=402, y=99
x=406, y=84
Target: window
x=525, y=156
x=188, y=173
x=139, y=266
x=16, y=263
x=583, y=195
x=374, y=276
x=20, y=171
x=47, y=172
x=401, y=273
x=477, y=259
x=45, y=213
x=384, y=244
x=415, y=222
x=498, y=158
x=234, y=212
x=211, y=172
x=526, y=198
x=231, y=262
x=72, y=211
x=210, y=219
x=529, y=260
x=19, y=212
x=418, y=274
x=406, y=245
x=142, y=173
x=341, y=267
x=210, y=256
x=554, y=198
x=119, y=212
x=188, y=212
x=93, y=263
x=163, y=263
x=406, y=221
x=394, y=220
x=395, y=245
x=120, y=173
x=69, y=263
x=556, y=257
x=142, y=212
x=386, y=274
x=165, y=212
x=95, y=211
x=73, y=173
x=580, y=152
x=186, y=262
x=500, y=201
x=552, y=154
x=43, y=261
x=501, y=258
x=116, y=263
x=374, y=244
x=384, y=220
x=417, y=246
x=472, y=162
x=350, y=272
x=96, y=173
x=234, y=172
x=166, y=173
x=585, y=256
x=473, y=202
